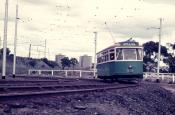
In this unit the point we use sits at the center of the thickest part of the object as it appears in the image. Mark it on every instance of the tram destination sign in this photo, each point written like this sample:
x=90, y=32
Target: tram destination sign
x=129, y=43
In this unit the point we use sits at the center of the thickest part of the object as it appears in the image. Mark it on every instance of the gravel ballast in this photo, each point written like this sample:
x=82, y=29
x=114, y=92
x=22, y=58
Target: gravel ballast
x=147, y=99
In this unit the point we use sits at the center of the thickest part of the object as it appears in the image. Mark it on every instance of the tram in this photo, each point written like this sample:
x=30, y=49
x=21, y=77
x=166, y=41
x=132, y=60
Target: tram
x=121, y=61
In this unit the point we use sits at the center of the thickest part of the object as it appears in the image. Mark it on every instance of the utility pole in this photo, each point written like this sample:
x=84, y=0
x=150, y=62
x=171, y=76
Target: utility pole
x=45, y=48
x=30, y=51
x=48, y=54
x=160, y=35
x=5, y=41
x=159, y=48
x=95, y=58
x=15, y=42
x=0, y=42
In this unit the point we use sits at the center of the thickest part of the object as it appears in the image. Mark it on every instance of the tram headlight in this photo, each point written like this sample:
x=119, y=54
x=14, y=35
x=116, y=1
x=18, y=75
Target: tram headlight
x=130, y=69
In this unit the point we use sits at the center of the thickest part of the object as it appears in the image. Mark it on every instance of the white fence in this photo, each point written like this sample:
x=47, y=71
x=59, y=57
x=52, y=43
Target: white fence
x=167, y=77
x=65, y=73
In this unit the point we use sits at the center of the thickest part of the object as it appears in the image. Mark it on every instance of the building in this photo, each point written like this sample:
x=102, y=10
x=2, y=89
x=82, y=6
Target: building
x=58, y=58
x=85, y=61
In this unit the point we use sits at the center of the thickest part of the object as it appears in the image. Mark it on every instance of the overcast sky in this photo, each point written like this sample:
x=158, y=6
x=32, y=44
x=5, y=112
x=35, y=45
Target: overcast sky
x=68, y=25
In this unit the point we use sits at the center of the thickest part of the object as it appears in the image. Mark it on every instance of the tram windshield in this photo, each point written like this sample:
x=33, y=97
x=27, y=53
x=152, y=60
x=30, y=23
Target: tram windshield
x=129, y=54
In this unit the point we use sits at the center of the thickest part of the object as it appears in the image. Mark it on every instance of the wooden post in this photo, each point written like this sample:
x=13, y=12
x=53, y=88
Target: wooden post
x=162, y=77
x=52, y=72
x=146, y=75
x=80, y=73
x=173, y=78
x=29, y=72
x=66, y=73
x=39, y=72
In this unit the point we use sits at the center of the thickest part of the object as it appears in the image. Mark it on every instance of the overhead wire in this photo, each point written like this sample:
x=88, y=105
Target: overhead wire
x=110, y=32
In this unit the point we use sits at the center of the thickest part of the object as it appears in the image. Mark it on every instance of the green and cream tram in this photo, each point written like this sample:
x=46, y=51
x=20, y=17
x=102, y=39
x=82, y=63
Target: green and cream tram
x=123, y=60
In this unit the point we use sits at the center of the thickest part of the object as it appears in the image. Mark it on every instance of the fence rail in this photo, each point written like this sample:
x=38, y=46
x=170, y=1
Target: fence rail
x=66, y=73
x=167, y=77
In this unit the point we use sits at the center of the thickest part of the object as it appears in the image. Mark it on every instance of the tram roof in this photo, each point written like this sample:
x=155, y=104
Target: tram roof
x=126, y=44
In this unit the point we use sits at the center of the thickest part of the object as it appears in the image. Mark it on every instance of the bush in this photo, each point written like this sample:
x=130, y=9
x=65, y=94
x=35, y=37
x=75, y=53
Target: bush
x=51, y=64
x=32, y=63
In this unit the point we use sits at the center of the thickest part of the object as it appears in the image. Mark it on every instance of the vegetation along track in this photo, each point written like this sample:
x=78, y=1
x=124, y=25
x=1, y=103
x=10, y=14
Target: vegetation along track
x=23, y=91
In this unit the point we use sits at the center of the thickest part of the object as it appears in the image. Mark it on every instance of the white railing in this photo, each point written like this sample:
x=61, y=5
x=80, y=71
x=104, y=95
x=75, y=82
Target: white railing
x=65, y=73
x=167, y=77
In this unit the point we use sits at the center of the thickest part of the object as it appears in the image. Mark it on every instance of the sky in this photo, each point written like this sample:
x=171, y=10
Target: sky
x=68, y=26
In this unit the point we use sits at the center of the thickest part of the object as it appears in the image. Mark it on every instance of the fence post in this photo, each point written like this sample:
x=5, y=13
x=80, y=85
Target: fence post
x=162, y=77
x=80, y=73
x=52, y=72
x=146, y=75
x=173, y=78
x=66, y=73
x=29, y=72
x=39, y=72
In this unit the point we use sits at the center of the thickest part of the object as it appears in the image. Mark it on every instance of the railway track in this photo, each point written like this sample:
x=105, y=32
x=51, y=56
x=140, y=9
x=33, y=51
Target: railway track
x=35, y=81
x=40, y=81
x=25, y=91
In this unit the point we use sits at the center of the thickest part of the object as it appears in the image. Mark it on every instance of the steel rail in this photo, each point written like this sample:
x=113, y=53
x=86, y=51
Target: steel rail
x=34, y=81
x=51, y=86
x=62, y=92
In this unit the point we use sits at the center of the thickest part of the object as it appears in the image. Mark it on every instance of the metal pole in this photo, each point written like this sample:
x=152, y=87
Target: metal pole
x=38, y=53
x=30, y=51
x=95, y=54
x=159, y=52
x=5, y=41
x=45, y=49
x=48, y=53
x=0, y=42
x=15, y=42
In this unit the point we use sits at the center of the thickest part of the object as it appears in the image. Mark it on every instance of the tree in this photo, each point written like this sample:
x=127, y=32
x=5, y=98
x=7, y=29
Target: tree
x=73, y=62
x=172, y=45
x=65, y=62
x=150, y=48
x=7, y=51
x=32, y=63
x=170, y=60
x=49, y=63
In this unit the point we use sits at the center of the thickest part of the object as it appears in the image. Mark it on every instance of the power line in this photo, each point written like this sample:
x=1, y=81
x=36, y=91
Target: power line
x=110, y=32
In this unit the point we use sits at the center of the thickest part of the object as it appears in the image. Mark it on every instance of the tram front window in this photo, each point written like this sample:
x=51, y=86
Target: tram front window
x=119, y=54
x=139, y=54
x=130, y=54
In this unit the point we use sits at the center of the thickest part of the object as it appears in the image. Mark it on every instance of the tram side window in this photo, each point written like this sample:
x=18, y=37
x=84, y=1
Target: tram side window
x=117, y=52
x=112, y=56
x=98, y=60
x=107, y=57
x=102, y=59
x=120, y=55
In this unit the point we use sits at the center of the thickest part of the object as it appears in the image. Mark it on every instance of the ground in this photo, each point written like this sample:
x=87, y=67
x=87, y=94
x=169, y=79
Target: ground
x=147, y=99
